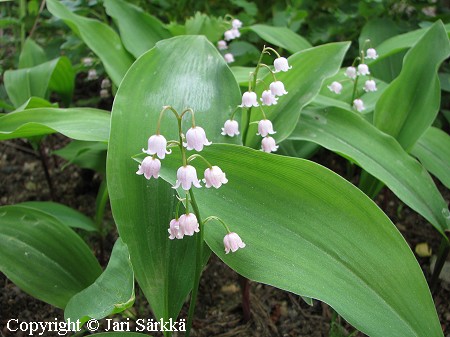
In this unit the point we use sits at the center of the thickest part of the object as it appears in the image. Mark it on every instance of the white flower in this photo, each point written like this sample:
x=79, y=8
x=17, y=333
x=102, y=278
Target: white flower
x=335, y=87
x=268, y=144
x=230, y=128
x=157, y=144
x=189, y=224
x=232, y=242
x=174, y=230
x=350, y=72
x=149, y=167
x=370, y=85
x=358, y=104
x=196, y=139
x=236, y=23
x=371, y=54
x=267, y=98
x=249, y=99
x=92, y=75
x=214, y=177
x=277, y=88
x=87, y=61
x=222, y=45
x=229, y=58
x=186, y=177
x=363, y=69
x=236, y=32
x=429, y=11
x=106, y=83
x=231, y=34
x=281, y=64
x=104, y=93
x=265, y=128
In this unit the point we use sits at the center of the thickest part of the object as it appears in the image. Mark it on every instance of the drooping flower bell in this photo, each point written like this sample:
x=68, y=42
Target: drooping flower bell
x=222, y=45
x=189, y=224
x=186, y=177
x=92, y=75
x=106, y=83
x=230, y=128
x=232, y=242
x=149, y=167
x=249, y=99
x=350, y=72
x=157, y=144
x=236, y=23
x=363, y=69
x=268, y=144
x=265, y=128
x=196, y=139
x=335, y=87
x=267, y=98
x=281, y=64
x=174, y=230
x=231, y=34
x=358, y=104
x=370, y=86
x=214, y=176
x=277, y=88
x=371, y=54
x=229, y=58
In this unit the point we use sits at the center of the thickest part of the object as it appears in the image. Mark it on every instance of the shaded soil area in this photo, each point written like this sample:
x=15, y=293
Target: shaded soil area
x=219, y=312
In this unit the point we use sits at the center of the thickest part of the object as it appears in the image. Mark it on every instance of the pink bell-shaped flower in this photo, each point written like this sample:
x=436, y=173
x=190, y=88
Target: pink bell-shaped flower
x=350, y=72
x=149, y=167
x=222, y=45
x=189, y=224
x=371, y=54
x=214, y=177
x=228, y=57
x=157, y=144
x=363, y=69
x=370, y=86
x=281, y=64
x=358, y=104
x=268, y=144
x=335, y=87
x=230, y=128
x=277, y=88
x=267, y=98
x=232, y=242
x=186, y=177
x=174, y=230
x=265, y=128
x=249, y=99
x=236, y=23
x=196, y=139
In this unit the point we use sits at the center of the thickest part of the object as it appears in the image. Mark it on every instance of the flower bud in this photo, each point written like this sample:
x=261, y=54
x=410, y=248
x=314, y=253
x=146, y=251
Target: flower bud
x=358, y=104
x=350, y=72
x=189, y=224
x=249, y=99
x=371, y=54
x=267, y=98
x=268, y=144
x=232, y=242
x=277, y=88
x=157, y=145
x=186, y=177
x=229, y=58
x=230, y=128
x=363, y=69
x=370, y=86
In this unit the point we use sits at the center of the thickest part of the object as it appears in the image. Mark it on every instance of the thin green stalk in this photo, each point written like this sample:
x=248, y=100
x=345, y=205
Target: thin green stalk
x=100, y=204
x=444, y=250
x=22, y=13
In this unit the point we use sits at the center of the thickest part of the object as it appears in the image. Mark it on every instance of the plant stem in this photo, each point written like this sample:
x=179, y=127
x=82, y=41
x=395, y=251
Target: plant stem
x=100, y=203
x=23, y=13
x=245, y=287
x=44, y=162
x=198, y=265
x=444, y=249
x=41, y=8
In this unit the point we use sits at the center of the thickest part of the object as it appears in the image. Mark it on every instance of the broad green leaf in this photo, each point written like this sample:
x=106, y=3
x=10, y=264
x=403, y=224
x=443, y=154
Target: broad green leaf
x=433, y=150
x=309, y=231
x=444, y=78
x=32, y=54
x=282, y=37
x=298, y=148
x=243, y=52
x=66, y=215
x=44, y=257
x=139, y=31
x=36, y=102
x=184, y=72
x=111, y=293
x=77, y=123
x=99, y=37
x=90, y=155
x=202, y=24
x=379, y=154
x=411, y=102
x=52, y=76
x=303, y=82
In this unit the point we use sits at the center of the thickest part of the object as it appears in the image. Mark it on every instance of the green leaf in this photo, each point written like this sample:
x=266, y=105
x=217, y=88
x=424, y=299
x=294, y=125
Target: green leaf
x=309, y=231
x=89, y=155
x=44, y=257
x=433, y=150
x=444, y=78
x=66, y=215
x=411, y=102
x=197, y=78
x=52, y=76
x=77, y=123
x=111, y=293
x=242, y=74
x=303, y=82
x=36, y=102
x=139, y=31
x=379, y=154
x=202, y=24
x=99, y=37
x=32, y=54
x=281, y=37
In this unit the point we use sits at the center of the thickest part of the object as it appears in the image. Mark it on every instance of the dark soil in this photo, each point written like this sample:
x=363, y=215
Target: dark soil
x=273, y=312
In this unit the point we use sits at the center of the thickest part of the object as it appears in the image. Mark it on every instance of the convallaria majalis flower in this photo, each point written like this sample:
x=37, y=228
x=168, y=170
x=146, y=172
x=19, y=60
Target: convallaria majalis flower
x=188, y=223
x=269, y=97
x=353, y=73
x=230, y=34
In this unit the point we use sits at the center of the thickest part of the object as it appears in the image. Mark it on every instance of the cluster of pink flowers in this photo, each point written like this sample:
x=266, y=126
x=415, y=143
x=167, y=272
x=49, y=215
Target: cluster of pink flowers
x=353, y=73
x=229, y=35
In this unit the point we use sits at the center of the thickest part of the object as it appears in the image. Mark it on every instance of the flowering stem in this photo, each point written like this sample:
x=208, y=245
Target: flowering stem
x=191, y=158
x=354, y=90
x=192, y=114
x=198, y=265
x=166, y=107
x=264, y=115
x=273, y=74
x=271, y=49
x=212, y=217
